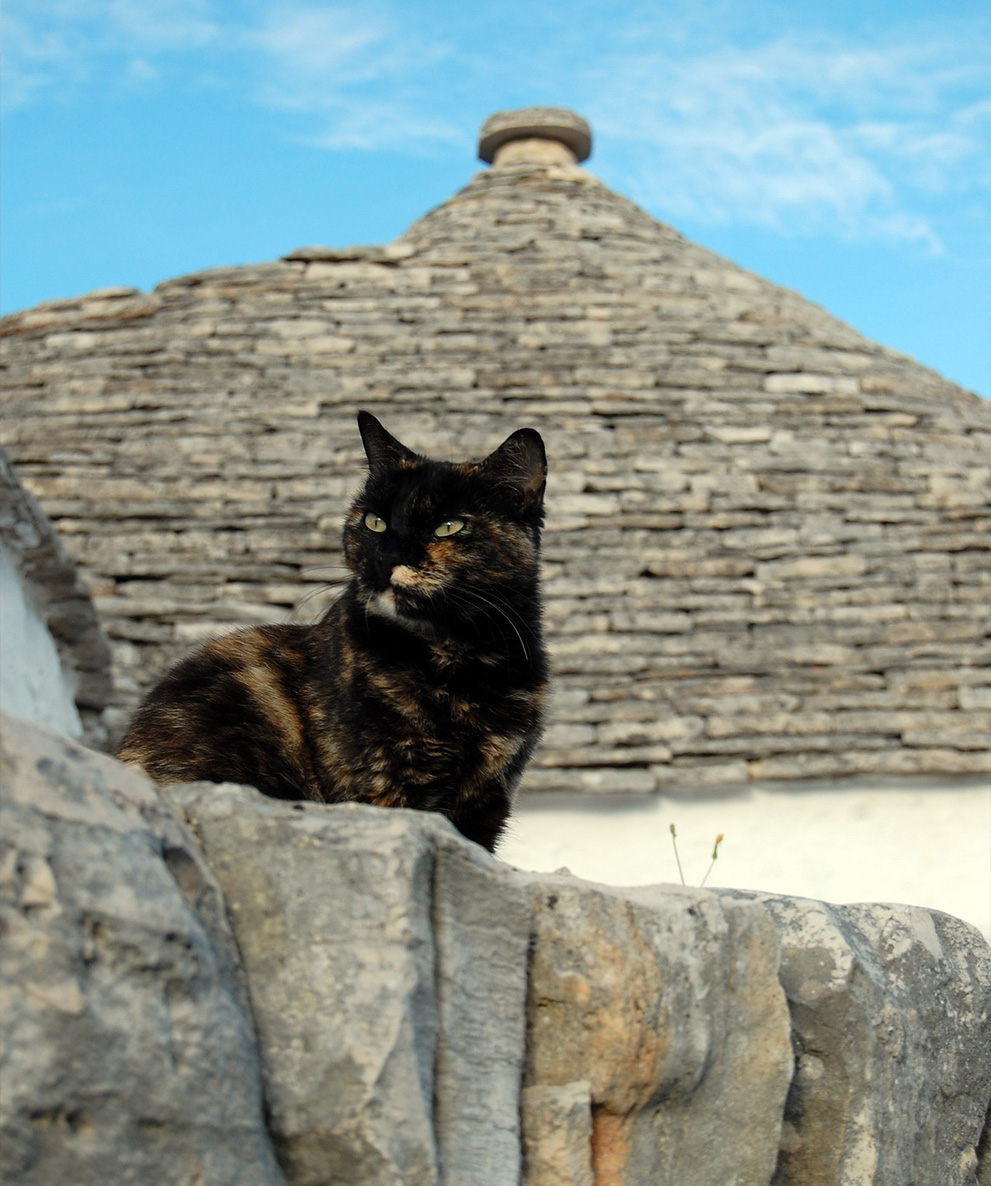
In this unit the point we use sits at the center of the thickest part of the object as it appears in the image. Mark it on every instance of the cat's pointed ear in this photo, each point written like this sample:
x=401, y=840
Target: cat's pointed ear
x=381, y=447
x=520, y=464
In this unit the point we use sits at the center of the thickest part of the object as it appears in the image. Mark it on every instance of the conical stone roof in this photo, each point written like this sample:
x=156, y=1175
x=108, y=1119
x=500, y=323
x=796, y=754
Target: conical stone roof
x=766, y=553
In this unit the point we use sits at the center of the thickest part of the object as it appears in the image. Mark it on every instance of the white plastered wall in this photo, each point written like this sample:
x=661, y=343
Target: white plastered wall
x=914, y=841
x=33, y=682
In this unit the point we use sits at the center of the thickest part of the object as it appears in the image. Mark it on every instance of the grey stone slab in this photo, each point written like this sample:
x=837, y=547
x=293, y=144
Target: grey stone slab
x=128, y=1053
x=891, y=1020
x=386, y=960
x=616, y=1000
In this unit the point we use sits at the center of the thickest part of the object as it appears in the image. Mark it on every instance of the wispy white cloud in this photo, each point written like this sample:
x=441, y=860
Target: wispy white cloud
x=334, y=45
x=800, y=136
x=939, y=155
x=55, y=46
x=361, y=75
x=365, y=76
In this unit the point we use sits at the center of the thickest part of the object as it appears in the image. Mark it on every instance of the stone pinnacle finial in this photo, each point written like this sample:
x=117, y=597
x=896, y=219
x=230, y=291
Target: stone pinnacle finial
x=535, y=135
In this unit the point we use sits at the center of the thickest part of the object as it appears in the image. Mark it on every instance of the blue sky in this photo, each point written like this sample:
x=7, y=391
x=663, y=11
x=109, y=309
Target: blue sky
x=838, y=148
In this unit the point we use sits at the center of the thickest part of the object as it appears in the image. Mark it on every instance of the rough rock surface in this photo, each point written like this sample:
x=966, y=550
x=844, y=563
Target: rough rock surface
x=767, y=544
x=557, y=1135
x=387, y=966
x=667, y=1002
x=128, y=1052
x=890, y=1020
x=426, y=1015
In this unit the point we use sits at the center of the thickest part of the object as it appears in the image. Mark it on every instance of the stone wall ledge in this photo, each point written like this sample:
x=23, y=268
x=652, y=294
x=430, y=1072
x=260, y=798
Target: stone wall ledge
x=202, y=984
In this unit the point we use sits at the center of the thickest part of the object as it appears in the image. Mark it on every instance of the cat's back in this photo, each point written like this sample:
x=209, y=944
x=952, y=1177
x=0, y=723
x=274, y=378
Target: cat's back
x=235, y=710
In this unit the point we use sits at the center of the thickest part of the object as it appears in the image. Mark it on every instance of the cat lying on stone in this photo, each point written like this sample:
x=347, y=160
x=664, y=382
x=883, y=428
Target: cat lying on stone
x=422, y=686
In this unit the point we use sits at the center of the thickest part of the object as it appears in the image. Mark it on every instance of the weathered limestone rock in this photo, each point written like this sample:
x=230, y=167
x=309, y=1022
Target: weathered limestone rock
x=557, y=1135
x=667, y=1002
x=386, y=960
x=482, y=931
x=426, y=1016
x=891, y=1020
x=128, y=1053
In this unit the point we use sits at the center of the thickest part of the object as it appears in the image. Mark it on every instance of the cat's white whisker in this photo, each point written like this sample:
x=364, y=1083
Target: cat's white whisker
x=479, y=598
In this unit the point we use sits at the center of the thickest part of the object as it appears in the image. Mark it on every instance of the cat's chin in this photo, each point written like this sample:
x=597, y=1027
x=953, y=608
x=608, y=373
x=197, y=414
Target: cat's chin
x=385, y=603
x=388, y=605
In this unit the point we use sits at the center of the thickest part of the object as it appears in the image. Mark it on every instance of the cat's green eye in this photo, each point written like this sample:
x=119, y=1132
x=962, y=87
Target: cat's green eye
x=448, y=527
x=374, y=523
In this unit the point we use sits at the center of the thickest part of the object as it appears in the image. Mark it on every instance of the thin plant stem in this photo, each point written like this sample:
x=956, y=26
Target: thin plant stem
x=674, y=845
x=715, y=854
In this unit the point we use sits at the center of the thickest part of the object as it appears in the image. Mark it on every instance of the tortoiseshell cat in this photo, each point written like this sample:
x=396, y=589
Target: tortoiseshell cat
x=421, y=687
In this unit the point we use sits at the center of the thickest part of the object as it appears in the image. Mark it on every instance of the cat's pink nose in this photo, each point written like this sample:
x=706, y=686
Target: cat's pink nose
x=402, y=575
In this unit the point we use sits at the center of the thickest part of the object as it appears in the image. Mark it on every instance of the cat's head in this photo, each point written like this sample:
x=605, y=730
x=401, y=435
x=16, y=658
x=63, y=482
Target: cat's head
x=436, y=542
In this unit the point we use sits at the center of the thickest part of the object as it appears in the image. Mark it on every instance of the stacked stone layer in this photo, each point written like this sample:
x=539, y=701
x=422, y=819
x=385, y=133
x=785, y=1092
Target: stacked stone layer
x=767, y=541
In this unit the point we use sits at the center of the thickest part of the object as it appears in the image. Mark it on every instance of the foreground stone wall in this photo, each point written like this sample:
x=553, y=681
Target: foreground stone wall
x=767, y=546
x=214, y=987
x=128, y=1052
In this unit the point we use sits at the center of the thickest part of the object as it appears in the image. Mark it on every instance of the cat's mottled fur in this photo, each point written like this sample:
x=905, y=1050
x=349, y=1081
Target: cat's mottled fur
x=421, y=687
